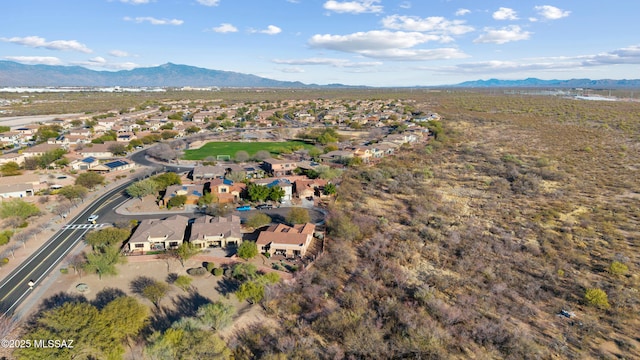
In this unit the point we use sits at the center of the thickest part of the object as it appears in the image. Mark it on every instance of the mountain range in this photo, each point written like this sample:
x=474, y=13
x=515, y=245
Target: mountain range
x=14, y=74
x=166, y=75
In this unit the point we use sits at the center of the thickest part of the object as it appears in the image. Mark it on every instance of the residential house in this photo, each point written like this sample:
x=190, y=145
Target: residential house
x=157, y=235
x=277, y=167
x=40, y=149
x=126, y=137
x=99, y=151
x=286, y=240
x=115, y=165
x=337, y=156
x=362, y=152
x=10, y=138
x=12, y=157
x=309, y=188
x=226, y=190
x=193, y=192
x=211, y=231
x=209, y=172
x=20, y=185
x=86, y=163
x=284, y=184
x=16, y=190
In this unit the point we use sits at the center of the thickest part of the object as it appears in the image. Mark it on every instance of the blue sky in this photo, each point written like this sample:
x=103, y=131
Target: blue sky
x=355, y=42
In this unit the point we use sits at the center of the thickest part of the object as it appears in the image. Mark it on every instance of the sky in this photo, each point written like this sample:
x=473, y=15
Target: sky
x=352, y=42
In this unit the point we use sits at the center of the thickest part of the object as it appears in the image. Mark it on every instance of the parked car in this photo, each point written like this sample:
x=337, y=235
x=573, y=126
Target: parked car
x=264, y=206
x=243, y=208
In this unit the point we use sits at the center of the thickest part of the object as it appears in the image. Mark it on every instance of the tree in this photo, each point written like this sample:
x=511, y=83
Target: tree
x=183, y=282
x=236, y=176
x=597, y=297
x=19, y=208
x=155, y=292
x=258, y=192
x=167, y=179
x=207, y=199
x=162, y=152
x=10, y=169
x=241, y=156
x=73, y=192
x=258, y=220
x=216, y=315
x=117, y=149
x=329, y=189
x=186, y=251
x=192, y=130
x=90, y=180
x=185, y=344
x=177, y=201
x=142, y=188
x=251, y=291
x=247, y=250
x=109, y=237
x=276, y=193
x=298, y=215
x=125, y=317
x=262, y=155
x=244, y=271
x=103, y=262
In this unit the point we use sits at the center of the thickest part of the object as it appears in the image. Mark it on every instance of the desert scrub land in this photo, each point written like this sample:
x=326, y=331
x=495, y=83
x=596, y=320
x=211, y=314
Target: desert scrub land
x=472, y=245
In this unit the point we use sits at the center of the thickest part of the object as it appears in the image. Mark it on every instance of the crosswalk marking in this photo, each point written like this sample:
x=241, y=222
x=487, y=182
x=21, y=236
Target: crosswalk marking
x=84, y=226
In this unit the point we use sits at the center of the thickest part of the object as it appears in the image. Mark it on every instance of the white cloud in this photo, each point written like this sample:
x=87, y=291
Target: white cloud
x=434, y=24
x=415, y=54
x=44, y=60
x=551, y=12
x=385, y=44
x=209, y=2
x=99, y=62
x=462, y=12
x=338, y=63
x=503, y=35
x=225, y=28
x=136, y=2
x=405, y=5
x=118, y=53
x=504, y=13
x=623, y=56
x=154, y=21
x=292, y=70
x=38, y=42
x=354, y=7
x=270, y=30
x=371, y=40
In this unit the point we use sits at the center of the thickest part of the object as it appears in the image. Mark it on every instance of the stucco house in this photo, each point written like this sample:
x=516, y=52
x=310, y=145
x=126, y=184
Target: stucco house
x=286, y=240
x=277, y=167
x=226, y=190
x=211, y=231
x=156, y=235
x=193, y=192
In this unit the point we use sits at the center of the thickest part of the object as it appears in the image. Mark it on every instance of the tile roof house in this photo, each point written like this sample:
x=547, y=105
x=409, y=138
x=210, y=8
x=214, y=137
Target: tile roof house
x=155, y=234
x=99, y=151
x=210, y=231
x=277, y=167
x=308, y=188
x=286, y=240
x=193, y=192
x=115, y=165
x=40, y=149
x=226, y=190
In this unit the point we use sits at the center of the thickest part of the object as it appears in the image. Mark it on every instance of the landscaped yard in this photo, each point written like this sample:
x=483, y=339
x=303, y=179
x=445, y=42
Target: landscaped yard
x=231, y=148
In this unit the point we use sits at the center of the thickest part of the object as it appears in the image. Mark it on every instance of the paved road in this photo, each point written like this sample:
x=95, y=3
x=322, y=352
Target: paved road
x=16, y=286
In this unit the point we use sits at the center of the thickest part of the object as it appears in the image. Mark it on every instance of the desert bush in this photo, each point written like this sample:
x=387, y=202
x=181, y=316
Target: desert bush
x=597, y=297
x=199, y=271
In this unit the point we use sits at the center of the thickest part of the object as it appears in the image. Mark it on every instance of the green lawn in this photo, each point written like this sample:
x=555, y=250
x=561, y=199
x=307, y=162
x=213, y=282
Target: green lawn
x=230, y=148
